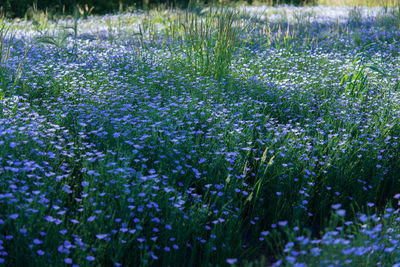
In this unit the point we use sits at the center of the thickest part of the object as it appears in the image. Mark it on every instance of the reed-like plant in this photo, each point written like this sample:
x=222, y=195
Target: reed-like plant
x=59, y=39
x=5, y=48
x=4, y=54
x=85, y=10
x=357, y=81
x=203, y=44
x=39, y=18
x=7, y=41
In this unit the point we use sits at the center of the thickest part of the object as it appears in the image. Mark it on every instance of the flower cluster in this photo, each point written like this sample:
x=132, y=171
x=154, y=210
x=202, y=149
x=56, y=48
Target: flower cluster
x=114, y=152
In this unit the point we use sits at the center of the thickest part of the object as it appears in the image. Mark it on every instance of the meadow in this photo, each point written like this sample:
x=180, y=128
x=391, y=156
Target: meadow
x=246, y=136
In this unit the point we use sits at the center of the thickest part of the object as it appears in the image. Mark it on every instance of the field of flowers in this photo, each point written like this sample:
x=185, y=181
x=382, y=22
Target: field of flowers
x=252, y=136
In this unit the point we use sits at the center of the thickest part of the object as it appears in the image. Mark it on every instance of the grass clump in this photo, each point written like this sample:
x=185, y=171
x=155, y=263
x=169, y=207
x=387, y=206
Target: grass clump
x=205, y=43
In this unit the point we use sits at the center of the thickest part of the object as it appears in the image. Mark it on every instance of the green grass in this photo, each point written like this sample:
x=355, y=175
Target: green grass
x=200, y=137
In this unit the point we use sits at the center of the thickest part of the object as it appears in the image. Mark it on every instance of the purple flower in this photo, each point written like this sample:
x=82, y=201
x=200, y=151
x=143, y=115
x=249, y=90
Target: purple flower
x=91, y=218
x=13, y=216
x=282, y=223
x=74, y=221
x=90, y=258
x=37, y=241
x=341, y=212
x=265, y=233
x=63, y=232
x=101, y=236
x=231, y=261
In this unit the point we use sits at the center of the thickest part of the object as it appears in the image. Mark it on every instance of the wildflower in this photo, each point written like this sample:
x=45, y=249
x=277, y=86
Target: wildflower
x=282, y=223
x=40, y=252
x=37, y=241
x=101, y=236
x=264, y=233
x=231, y=261
x=13, y=216
x=341, y=212
x=90, y=258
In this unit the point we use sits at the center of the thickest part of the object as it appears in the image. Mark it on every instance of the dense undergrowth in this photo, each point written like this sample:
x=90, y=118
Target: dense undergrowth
x=251, y=136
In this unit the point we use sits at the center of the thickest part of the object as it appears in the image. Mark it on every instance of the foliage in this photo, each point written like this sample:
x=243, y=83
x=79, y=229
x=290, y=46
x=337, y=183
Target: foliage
x=201, y=137
x=19, y=8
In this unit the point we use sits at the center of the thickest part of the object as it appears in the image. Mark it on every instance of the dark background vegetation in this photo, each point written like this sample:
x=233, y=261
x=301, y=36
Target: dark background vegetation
x=18, y=8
